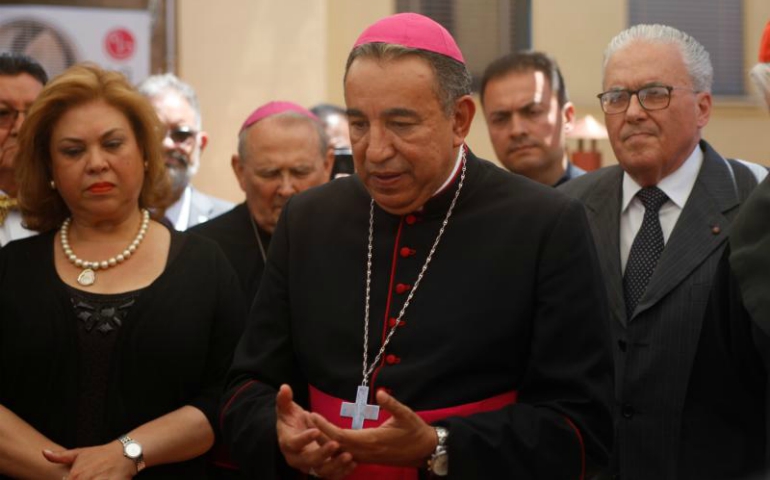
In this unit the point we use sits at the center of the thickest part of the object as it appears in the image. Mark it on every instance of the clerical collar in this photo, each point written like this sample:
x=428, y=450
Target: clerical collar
x=455, y=170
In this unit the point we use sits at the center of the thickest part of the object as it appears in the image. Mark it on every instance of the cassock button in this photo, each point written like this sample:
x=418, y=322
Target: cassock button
x=402, y=288
x=411, y=219
x=391, y=359
x=627, y=411
x=392, y=321
x=406, y=252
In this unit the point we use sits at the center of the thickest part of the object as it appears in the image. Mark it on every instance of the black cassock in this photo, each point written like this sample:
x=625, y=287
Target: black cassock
x=234, y=234
x=511, y=304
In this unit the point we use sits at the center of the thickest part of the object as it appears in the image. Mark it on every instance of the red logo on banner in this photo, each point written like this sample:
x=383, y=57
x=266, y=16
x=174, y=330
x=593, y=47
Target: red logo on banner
x=119, y=44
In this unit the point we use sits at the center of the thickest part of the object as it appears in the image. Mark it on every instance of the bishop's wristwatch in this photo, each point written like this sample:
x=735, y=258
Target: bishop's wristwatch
x=438, y=464
x=133, y=451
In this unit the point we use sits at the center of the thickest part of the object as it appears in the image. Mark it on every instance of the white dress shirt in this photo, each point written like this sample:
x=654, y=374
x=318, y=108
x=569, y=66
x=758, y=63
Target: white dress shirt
x=677, y=186
x=179, y=212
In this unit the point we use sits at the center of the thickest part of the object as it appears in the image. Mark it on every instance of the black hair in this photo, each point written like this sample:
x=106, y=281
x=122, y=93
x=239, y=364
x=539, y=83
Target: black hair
x=525, y=61
x=12, y=64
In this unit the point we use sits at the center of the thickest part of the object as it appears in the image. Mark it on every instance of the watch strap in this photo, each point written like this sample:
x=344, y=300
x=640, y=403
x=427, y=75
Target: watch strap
x=437, y=463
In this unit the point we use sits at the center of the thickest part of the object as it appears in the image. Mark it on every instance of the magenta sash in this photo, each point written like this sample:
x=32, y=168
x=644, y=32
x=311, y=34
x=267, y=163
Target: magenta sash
x=329, y=407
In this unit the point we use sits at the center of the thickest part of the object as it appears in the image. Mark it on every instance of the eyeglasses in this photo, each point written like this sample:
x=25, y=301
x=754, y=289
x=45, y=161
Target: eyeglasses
x=9, y=115
x=180, y=135
x=656, y=97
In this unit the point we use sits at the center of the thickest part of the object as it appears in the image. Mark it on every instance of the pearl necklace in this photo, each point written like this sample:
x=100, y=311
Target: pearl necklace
x=88, y=276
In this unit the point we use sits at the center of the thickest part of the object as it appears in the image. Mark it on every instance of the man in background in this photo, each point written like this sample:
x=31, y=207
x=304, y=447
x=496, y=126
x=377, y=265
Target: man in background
x=21, y=80
x=179, y=111
x=660, y=220
x=528, y=114
x=282, y=150
x=335, y=122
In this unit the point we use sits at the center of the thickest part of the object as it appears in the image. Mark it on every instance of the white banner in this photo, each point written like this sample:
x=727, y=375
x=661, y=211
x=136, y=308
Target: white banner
x=58, y=37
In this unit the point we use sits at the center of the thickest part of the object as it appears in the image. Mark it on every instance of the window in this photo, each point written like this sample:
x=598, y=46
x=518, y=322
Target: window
x=483, y=30
x=717, y=24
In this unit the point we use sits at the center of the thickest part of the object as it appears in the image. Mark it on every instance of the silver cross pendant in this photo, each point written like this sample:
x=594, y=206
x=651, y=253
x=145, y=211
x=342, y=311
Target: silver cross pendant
x=360, y=410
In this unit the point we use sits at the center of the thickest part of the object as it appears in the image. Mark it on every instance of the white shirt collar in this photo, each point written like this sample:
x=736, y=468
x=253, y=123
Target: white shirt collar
x=458, y=162
x=677, y=185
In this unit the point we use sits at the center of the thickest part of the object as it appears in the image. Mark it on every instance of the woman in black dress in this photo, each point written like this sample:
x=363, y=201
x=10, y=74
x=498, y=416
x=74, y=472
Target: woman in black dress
x=115, y=332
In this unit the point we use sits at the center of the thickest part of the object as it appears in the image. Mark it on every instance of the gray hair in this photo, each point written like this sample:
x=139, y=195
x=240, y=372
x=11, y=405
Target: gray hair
x=156, y=84
x=453, y=80
x=323, y=138
x=696, y=58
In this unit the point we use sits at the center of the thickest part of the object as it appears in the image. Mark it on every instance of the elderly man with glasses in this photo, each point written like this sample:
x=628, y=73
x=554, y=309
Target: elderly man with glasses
x=660, y=221
x=21, y=80
x=179, y=111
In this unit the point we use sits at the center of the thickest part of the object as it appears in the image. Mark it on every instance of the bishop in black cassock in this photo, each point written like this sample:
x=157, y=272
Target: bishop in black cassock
x=503, y=343
x=277, y=140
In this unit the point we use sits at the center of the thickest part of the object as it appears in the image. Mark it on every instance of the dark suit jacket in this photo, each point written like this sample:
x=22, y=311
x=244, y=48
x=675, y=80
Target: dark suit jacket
x=654, y=350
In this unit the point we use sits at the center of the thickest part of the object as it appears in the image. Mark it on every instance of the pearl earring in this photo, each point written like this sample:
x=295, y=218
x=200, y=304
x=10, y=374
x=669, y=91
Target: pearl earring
x=53, y=185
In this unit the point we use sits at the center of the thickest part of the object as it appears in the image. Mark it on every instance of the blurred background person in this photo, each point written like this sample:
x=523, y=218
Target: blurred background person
x=21, y=80
x=179, y=111
x=528, y=115
x=760, y=73
x=282, y=150
x=335, y=122
x=121, y=367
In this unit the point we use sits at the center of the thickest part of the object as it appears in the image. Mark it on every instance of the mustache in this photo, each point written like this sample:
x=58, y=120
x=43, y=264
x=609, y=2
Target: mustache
x=516, y=144
x=183, y=159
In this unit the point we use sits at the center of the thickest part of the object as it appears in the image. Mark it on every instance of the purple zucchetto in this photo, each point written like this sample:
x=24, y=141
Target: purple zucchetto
x=274, y=108
x=413, y=31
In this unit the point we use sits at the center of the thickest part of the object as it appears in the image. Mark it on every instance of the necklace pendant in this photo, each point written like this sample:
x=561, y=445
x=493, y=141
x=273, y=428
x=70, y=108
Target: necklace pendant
x=360, y=410
x=87, y=277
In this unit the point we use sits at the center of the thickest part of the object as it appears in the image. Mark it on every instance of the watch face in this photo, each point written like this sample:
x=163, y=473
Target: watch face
x=133, y=450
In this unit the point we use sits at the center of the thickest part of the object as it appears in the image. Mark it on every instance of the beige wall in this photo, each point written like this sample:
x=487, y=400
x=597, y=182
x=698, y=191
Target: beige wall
x=246, y=52
x=240, y=54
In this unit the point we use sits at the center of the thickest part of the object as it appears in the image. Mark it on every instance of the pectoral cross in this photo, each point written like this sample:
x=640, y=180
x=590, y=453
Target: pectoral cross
x=360, y=410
